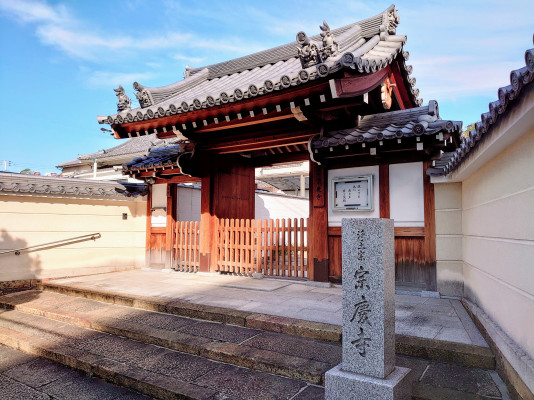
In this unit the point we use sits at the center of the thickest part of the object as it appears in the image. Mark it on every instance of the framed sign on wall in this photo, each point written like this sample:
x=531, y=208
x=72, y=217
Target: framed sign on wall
x=352, y=193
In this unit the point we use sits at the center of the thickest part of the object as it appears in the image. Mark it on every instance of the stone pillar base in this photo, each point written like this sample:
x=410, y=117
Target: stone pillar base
x=343, y=385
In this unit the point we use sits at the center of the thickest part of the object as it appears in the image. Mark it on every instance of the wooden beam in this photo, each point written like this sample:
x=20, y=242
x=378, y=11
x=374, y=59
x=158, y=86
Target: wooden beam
x=236, y=146
x=268, y=160
x=401, y=90
x=399, y=231
x=247, y=121
x=300, y=92
x=359, y=84
x=178, y=179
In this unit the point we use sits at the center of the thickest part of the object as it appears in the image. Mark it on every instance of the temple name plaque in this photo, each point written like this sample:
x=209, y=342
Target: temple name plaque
x=352, y=193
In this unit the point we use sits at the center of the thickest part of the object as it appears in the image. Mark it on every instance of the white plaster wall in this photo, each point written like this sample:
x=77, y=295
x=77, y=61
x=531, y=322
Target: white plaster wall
x=159, y=205
x=29, y=220
x=498, y=241
x=267, y=205
x=449, y=264
x=334, y=217
x=406, y=199
x=274, y=206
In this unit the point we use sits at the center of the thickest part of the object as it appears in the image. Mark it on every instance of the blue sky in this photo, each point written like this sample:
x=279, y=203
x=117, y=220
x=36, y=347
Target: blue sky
x=61, y=60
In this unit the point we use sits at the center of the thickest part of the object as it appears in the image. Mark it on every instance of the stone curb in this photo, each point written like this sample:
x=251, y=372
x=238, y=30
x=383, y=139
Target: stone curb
x=430, y=349
x=290, y=326
x=449, y=352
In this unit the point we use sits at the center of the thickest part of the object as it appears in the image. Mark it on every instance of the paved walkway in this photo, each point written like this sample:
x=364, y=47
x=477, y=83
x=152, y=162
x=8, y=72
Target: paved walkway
x=432, y=318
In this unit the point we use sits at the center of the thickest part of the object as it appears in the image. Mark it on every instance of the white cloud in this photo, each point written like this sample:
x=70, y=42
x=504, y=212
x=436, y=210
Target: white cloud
x=56, y=26
x=107, y=79
x=189, y=59
x=35, y=11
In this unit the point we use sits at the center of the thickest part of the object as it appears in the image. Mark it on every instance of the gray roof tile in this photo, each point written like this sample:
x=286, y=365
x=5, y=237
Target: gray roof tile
x=157, y=157
x=390, y=125
x=507, y=97
x=366, y=46
x=30, y=185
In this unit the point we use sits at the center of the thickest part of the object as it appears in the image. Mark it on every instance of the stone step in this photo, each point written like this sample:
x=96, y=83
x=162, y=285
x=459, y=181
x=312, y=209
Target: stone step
x=153, y=370
x=286, y=355
x=29, y=377
x=431, y=349
x=138, y=349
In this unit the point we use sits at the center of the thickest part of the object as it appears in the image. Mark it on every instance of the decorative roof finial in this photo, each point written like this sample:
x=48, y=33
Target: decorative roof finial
x=124, y=103
x=309, y=51
x=187, y=72
x=330, y=46
x=142, y=95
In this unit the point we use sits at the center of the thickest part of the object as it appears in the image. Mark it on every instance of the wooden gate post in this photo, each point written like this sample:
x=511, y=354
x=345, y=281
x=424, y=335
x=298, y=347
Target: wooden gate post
x=206, y=225
x=318, y=260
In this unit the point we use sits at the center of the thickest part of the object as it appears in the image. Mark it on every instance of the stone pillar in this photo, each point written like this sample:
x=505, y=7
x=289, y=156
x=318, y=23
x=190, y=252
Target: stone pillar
x=368, y=368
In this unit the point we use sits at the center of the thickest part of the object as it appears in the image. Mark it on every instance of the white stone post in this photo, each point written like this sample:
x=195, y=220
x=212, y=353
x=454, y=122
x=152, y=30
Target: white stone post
x=368, y=370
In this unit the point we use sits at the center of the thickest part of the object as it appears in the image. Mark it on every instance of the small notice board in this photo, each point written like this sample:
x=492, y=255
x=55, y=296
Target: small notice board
x=352, y=193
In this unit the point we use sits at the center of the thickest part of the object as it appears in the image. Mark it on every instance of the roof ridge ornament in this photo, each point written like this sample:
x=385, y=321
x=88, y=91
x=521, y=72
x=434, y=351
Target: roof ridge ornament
x=330, y=45
x=124, y=104
x=143, y=95
x=389, y=23
x=309, y=52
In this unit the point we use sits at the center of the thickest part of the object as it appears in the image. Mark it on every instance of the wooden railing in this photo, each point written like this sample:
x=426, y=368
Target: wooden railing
x=272, y=247
x=186, y=246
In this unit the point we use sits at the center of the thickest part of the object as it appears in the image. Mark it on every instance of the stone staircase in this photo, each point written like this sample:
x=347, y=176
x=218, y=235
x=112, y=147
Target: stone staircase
x=180, y=350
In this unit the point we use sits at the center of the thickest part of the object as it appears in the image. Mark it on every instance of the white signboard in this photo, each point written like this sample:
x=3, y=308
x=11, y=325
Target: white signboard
x=352, y=193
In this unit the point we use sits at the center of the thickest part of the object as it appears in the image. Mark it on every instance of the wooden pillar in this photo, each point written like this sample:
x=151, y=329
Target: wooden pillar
x=171, y=220
x=430, y=230
x=318, y=225
x=383, y=189
x=148, y=226
x=206, y=224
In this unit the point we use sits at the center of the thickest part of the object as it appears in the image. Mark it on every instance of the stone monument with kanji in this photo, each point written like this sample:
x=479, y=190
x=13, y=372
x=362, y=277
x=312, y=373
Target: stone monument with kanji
x=368, y=370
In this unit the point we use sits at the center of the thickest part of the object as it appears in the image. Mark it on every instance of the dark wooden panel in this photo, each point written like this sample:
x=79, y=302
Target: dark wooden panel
x=334, y=251
x=410, y=268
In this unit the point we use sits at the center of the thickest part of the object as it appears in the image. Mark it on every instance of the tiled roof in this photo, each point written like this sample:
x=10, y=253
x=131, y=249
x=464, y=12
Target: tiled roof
x=30, y=185
x=157, y=157
x=137, y=146
x=507, y=97
x=391, y=125
x=366, y=47
x=69, y=163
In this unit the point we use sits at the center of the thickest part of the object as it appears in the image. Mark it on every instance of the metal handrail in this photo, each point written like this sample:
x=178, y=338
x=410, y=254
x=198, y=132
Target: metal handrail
x=76, y=239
